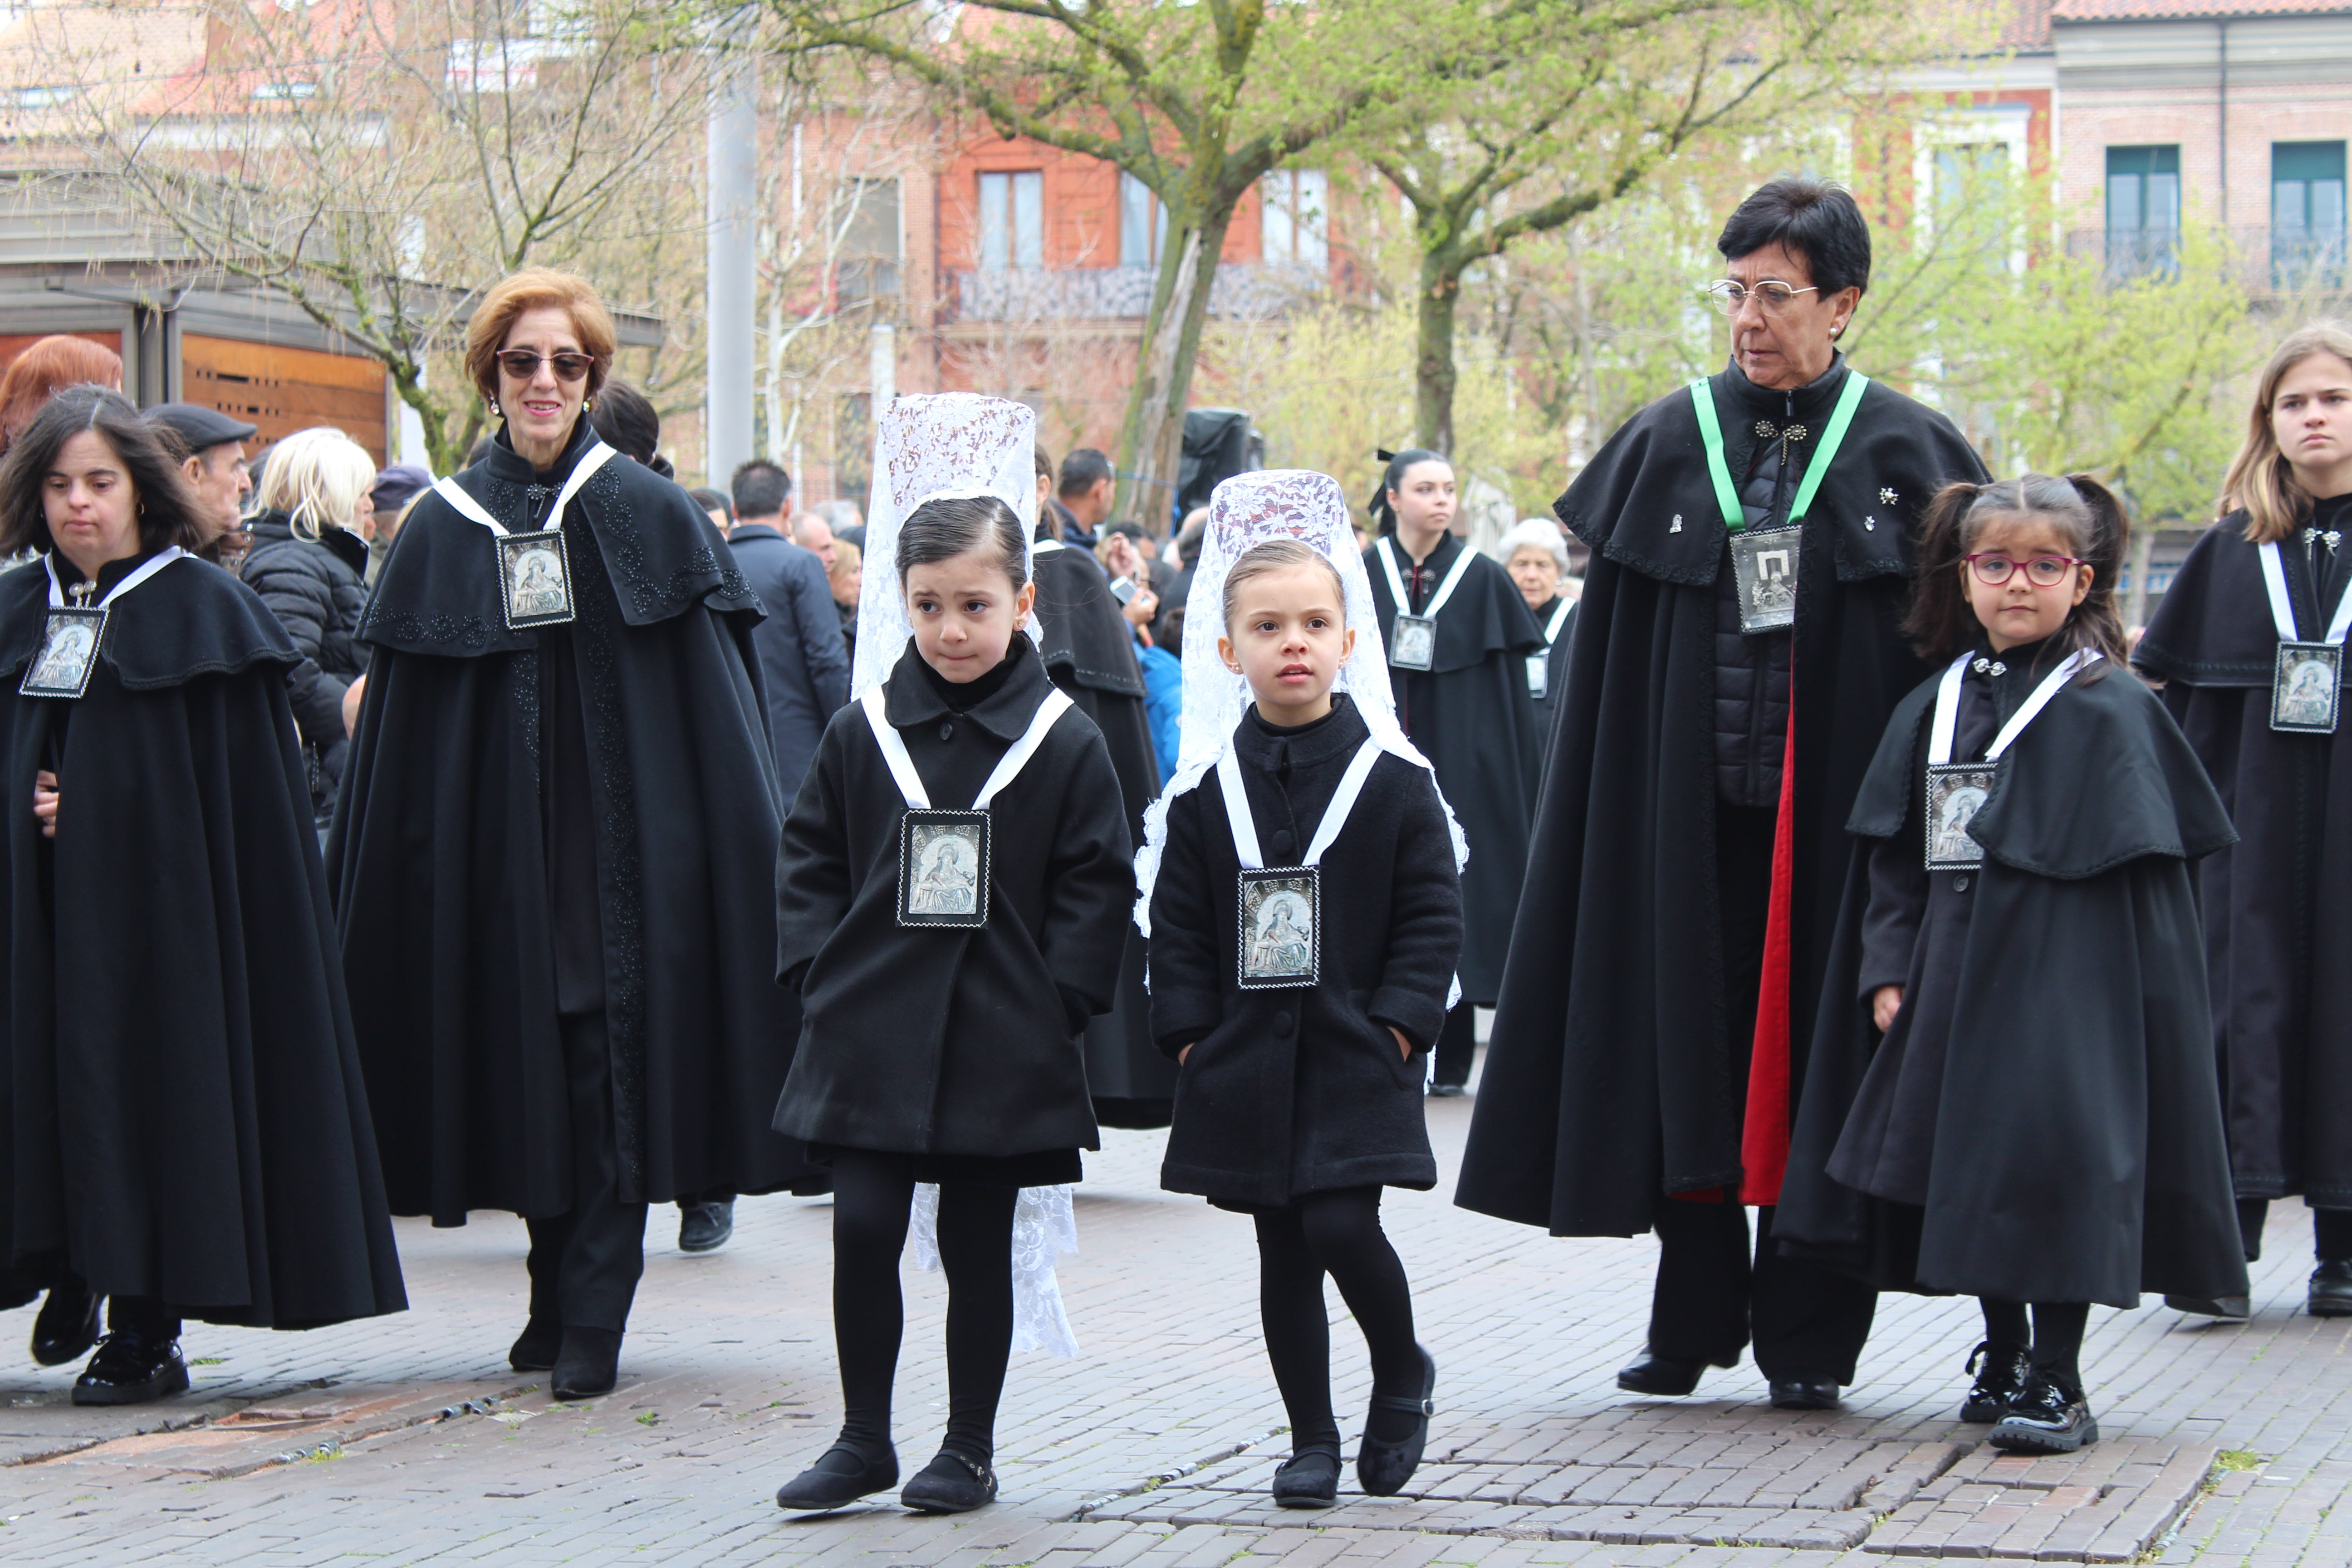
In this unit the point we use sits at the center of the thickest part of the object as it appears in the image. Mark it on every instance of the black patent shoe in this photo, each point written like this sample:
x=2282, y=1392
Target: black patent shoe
x=949, y=1484
x=2046, y=1418
x=1804, y=1393
x=131, y=1369
x=68, y=1324
x=705, y=1227
x=588, y=1364
x=1669, y=1375
x=1308, y=1478
x=1384, y=1466
x=2331, y=1290
x=838, y=1479
x=2000, y=1377
x=2229, y=1308
x=535, y=1348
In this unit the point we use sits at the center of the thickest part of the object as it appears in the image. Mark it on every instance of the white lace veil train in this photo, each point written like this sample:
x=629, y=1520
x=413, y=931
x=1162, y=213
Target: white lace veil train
x=1244, y=511
x=933, y=447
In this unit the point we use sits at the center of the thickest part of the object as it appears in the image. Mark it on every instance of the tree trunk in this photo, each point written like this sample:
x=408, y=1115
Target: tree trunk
x=1433, y=370
x=1151, y=438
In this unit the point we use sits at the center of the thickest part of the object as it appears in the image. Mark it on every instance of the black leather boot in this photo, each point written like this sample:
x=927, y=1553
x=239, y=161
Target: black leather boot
x=131, y=1369
x=68, y=1324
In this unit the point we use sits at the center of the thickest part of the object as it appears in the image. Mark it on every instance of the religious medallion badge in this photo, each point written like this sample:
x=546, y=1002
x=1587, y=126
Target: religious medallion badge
x=943, y=868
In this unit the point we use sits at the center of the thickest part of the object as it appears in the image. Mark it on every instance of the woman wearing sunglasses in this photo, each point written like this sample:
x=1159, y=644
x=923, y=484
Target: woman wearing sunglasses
x=553, y=852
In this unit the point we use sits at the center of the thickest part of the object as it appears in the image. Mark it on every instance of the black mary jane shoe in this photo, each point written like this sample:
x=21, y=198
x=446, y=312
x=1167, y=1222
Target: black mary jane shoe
x=535, y=1348
x=131, y=1369
x=951, y=1483
x=705, y=1227
x=1666, y=1375
x=2046, y=1418
x=66, y=1325
x=2000, y=1371
x=2331, y=1290
x=1804, y=1393
x=1308, y=1478
x=840, y=1477
x=1385, y=1468
x=588, y=1364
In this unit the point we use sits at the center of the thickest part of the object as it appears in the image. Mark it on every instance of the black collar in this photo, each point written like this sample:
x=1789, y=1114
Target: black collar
x=1449, y=544
x=1814, y=399
x=505, y=463
x=909, y=699
x=743, y=530
x=1266, y=746
x=110, y=572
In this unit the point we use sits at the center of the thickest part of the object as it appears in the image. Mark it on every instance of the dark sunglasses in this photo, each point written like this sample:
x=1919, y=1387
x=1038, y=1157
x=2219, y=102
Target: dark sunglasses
x=523, y=363
x=2042, y=571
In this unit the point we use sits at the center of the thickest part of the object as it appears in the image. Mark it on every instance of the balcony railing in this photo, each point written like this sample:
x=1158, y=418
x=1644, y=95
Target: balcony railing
x=2269, y=259
x=1034, y=295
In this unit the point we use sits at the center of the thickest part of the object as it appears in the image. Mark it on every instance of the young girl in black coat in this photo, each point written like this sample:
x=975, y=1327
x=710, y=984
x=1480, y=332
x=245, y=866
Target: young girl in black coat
x=1304, y=917
x=949, y=897
x=2017, y=1101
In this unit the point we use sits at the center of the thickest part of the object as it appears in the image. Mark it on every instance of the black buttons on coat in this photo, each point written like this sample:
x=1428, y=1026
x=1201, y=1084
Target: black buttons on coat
x=1960, y=883
x=1279, y=842
x=947, y=729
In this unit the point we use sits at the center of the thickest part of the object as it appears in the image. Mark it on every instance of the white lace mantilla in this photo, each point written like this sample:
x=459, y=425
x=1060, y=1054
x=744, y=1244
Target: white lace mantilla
x=1044, y=1226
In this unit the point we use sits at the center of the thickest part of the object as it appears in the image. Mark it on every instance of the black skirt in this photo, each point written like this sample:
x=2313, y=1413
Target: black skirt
x=1040, y=1168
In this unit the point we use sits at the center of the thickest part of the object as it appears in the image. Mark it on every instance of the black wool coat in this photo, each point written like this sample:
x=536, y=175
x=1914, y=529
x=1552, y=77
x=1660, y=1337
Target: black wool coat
x=951, y=1041
x=182, y=1113
x=1471, y=715
x=2278, y=906
x=442, y=845
x=1303, y=1090
x=1611, y=1082
x=1091, y=655
x=2050, y=1127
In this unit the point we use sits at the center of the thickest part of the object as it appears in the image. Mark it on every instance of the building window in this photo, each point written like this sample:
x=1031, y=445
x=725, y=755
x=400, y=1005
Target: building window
x=1142, y=223
x=2306, y=214
x=1011, y=220
x=2142, y=209
x=1297, y=225
x=866, y=231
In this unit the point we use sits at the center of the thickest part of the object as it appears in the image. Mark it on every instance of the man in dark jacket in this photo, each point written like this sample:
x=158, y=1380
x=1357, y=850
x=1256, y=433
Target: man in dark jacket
x=804, y=662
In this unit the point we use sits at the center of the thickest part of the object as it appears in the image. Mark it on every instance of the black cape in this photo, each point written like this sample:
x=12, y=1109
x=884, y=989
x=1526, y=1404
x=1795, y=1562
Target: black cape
x=1090, y=655
x=1609, y=1080
x=1471, y=715
x=2076, y=1125
x=951, y=1041
x=181, y=1103
x=1554, y=668
x=2278, y=906
x=442, y=877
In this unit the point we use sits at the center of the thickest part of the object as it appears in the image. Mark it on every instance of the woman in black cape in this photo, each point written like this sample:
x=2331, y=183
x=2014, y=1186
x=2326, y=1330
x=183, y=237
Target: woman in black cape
x=185, y=1129
x=555, y=842
x=2276, y=913
x=2010, y=1092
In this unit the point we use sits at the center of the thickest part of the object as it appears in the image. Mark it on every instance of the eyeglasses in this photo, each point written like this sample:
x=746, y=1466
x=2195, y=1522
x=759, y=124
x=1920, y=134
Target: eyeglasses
x=523, y=363
x=1771, y=294
x=2042, y=571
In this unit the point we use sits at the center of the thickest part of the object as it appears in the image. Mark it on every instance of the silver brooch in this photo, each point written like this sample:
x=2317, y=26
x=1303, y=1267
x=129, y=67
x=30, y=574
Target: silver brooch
x=1870, y=523
x=1796, y=433
x=1885, y=497
x=1990, y=667
x=2333, y=538
x=1677, y=528
x=1764, y=431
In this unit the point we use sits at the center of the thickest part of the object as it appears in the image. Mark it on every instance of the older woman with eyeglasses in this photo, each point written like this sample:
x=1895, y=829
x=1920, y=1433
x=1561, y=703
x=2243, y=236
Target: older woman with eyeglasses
x=555, y=842
x=1735, y=655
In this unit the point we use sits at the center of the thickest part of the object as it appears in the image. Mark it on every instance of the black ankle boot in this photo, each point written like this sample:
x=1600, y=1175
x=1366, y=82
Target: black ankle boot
x=588, y=1364
x=951, y=1483
x=2046, y=1417
x=840, y=1477
x=535, y=1348
x=1998, y=1383
x=131, y=1369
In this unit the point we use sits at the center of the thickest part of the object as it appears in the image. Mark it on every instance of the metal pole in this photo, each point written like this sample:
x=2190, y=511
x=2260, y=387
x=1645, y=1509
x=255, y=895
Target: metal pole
x=733, y=132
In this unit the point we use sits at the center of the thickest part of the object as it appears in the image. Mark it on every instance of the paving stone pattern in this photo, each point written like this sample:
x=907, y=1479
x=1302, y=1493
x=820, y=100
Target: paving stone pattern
x=408, y=1440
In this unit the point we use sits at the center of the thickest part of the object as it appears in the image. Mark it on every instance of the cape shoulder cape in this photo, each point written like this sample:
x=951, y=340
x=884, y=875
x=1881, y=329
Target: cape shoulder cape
x=439, y=591
x=2039, y=816
x=1486, y=614
x=1646, y=500
x=193, y=618
x=2214, y=626
x=1084, y=631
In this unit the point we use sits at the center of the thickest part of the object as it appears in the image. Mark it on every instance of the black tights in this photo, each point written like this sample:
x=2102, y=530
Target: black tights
x=2331, y=1231
x=871, y=1196
x=2056, y=1340
x=1338, y=1234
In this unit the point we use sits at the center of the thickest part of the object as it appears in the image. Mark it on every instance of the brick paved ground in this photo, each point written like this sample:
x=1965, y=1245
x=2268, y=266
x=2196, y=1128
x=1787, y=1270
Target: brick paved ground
x=408, y=1441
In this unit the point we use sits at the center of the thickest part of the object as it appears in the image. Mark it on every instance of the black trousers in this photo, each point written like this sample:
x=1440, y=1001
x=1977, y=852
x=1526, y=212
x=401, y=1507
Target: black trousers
x=1457, y=1044
x=2331, y=1231
x=1807, y=1320
x=586, y=1261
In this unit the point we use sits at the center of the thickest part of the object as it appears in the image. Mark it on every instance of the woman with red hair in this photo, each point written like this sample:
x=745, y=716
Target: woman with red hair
x=46, y=368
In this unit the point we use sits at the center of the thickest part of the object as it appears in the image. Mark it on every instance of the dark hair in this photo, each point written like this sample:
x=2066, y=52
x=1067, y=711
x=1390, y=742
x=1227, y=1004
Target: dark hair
x=1082, y=470
x=167, y=511
x=1273, y=555
x=1191, y=538
x=943, y=529
x=1816, y=219
x=1400, y=464
x=627, y=422
x=714, y=501
x=1171, y=631
x=1045, y=463
x=2082, y=510
x=761, y=488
